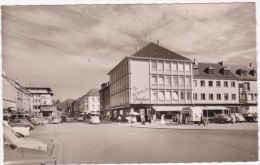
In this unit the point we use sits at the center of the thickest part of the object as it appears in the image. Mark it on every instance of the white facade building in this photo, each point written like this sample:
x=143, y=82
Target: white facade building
x=90, y=102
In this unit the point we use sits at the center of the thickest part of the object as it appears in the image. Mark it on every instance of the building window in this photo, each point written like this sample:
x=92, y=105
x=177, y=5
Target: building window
x=210, y=83
x=154, y=80
x=168, y=80
x=195, y=71
x=168, y=95
x=195, y=83
x=211, y=96
x=202, y=83
x=154, y=65
x=174, y=67
x=154, y=95
x=211, y=71
x=226, y=72
x=187, y=67
x=195, y=96
x=233, y=96
x=243, y=73
x=167, y=66
x=93, y=99
x=181, y=81
x=203, y=96
x=225, y=84
x=246, y=86
x=161, y=95
x=250, y=97
x=233, y=84
x=181, y=65
x=255, y=96
x=182, y=95
x=161, y=80
x=175, y=80
x=218, y=96
x=175, y=95
x=188, y=81
x=226, y=96
x=218, y=84
x=160, y=65
x=188, y=95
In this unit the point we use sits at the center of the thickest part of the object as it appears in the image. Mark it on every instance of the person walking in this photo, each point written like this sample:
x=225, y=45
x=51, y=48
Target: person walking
x=180, y=121
x=162, y=120
x=154, y=118
x=142, y=119
x=233, y=118
x=202, y=121
x=177, y=119
x=119, y=119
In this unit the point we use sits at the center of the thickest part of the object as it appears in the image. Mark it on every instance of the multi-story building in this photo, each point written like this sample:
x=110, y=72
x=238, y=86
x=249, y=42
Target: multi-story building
x=215, y=88
x=16, y=98
x=154, y=78
x=90, y=102
x=104, y=93
x=247, y=79
x=41, y=101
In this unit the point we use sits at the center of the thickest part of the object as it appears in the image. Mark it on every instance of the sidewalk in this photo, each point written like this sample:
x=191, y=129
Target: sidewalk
x=172, y=125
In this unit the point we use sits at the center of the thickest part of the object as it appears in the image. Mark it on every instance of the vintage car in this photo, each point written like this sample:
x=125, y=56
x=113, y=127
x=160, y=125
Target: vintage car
x=21, y=123
x=220, y=118
x=239, y=117
x=16, y=155
x=55, y=121
x=94, y=119
x=23, y=131
x=23, y=142
x=80, y=118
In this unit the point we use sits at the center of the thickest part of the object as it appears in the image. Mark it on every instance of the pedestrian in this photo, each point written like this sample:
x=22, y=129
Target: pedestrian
x=162, y=120
x=202, y=121
x=233, y=119
x=181, y=119
x=119, y=119
x=177, y=119
x=142, y=119
x=149, y=119
x=154, y=118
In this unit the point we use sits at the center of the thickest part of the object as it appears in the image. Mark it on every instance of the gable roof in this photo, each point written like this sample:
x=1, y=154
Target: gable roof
x=203, y=71
x=93, y=92
x=153, y=50
x=235, y=69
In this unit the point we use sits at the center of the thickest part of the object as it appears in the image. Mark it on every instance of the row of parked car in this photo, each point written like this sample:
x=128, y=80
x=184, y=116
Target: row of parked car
x=19, y=147
x=228, y=118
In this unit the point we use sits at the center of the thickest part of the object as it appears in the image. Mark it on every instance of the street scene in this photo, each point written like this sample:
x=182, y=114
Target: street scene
x=113, y=84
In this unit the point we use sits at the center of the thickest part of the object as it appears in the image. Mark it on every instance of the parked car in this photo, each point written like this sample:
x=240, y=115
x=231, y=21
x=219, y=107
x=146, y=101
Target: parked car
x=220, y=118
x=23, y=131
x=55, y=121
x=239, y=117
x=38, y=121
x=23, y=142
x=16, y=156
x=21, y=123
x=80, y=118
x=94, y=119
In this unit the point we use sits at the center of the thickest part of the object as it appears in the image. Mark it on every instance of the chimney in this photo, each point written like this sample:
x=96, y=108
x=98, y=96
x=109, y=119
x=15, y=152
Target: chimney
x=221, y=63
x=158, y=42
x=195, y=62
x=136, y=49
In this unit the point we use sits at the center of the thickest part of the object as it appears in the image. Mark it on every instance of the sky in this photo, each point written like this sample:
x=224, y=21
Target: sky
x=71, y=48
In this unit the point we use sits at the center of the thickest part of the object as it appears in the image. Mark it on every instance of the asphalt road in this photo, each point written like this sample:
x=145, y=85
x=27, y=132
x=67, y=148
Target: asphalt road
x=106, y=143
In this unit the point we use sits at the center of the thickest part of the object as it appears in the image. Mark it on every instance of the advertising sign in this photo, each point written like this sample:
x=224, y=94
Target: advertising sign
x=46, y=100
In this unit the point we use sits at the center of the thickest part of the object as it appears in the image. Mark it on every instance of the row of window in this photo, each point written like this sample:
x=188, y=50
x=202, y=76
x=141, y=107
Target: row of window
x=212, y=97
x=120, y=84
x=168, y=80
x=212, y=84
x=120, y=98
x=248, y=97
x=168, y=66
x=119, y=71
x=92, y=107
x=170, y=95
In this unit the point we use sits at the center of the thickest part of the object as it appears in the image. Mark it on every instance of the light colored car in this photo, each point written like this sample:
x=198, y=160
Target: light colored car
x=239, y=117
x=21, y=123
x=220, y=118
x=24, y=131
x=23, y=142
x=55, y=121
x=80, y=118
x=16, y=156
x=94, y=120
x=38, y=121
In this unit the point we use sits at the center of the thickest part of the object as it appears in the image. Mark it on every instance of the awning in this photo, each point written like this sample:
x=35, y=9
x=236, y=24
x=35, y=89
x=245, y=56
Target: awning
x=168, y=108
x=214, y=108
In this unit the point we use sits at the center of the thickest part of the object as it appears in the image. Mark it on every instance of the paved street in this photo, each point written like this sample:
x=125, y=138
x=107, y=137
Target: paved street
x=107, y=143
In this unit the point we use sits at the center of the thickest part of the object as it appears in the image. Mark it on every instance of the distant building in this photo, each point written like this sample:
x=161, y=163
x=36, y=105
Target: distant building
x=90, y=102
x=75, y=107
x=41, y=100
x=16, y=98
x=104, y=93
x=247, y=79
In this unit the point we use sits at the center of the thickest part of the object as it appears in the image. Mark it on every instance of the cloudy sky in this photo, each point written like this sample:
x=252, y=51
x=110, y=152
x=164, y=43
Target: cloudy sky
x=71, y=48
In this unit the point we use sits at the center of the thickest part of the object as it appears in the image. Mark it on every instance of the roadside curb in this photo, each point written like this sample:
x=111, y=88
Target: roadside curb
x=57, y=151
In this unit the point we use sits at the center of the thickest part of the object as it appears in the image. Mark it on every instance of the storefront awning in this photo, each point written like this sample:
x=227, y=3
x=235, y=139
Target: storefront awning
x=168, y=108
x=214, y=108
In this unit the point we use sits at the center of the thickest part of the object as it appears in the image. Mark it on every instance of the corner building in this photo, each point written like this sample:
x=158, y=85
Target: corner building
x=153, y=79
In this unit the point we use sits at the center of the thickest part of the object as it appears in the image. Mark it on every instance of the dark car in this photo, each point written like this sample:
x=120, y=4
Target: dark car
x=21, y=123
x=14, y=155
x=220, y=118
